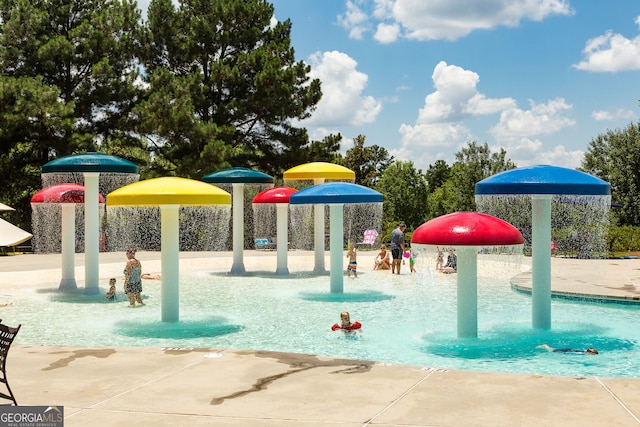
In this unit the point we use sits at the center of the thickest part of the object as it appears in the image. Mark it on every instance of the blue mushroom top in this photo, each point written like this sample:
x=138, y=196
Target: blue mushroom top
x=238, y=176
x=90, y=162
x=335, y=192
x=543, y=179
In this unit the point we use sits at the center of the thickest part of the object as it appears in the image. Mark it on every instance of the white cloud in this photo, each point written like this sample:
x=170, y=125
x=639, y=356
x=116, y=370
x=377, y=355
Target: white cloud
x=343, y=102
x=619, y=114
x=456, y=96
x=441, y=128
x=517, y=129
x=428, y=136
x=354, y=20
x=559, y=156
x=448, y=19
x=540, y=119
x=611, y=53
x=423, y=144
x=386, y=34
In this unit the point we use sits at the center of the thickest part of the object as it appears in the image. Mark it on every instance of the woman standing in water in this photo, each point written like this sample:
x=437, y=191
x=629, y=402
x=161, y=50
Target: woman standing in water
x=132, y=278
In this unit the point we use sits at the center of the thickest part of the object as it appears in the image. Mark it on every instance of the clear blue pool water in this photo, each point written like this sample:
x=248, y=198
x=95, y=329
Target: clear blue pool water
x=407, y=319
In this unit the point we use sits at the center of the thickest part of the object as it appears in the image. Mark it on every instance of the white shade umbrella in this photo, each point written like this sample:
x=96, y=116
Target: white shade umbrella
x=10, y=235
x=4, y=207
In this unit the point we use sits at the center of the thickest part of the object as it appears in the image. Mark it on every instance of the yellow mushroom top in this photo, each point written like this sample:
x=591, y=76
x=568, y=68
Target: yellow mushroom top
x=319, y=170
x=168, y=191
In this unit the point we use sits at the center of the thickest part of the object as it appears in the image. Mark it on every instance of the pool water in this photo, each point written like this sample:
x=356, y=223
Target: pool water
x=407, y=319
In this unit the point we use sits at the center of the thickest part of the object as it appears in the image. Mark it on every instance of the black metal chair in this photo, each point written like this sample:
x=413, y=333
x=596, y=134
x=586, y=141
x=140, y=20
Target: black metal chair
x=7, y=335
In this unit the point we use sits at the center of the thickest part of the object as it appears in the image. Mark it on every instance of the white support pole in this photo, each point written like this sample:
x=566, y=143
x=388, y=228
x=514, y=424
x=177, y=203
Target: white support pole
x=282, y=239
x=318, y=238
x=91, y=233
x=238, y=229
x=68, y=282
x=467, y=291
x=541, y=260
x=318, y=233
x=336, y=237
x=170, y=256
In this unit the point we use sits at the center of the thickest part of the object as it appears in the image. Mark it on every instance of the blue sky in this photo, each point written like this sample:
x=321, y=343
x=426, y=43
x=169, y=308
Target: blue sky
x=539, y=78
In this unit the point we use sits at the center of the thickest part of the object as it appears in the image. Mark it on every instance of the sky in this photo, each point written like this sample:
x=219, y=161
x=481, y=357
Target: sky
x=421, y=78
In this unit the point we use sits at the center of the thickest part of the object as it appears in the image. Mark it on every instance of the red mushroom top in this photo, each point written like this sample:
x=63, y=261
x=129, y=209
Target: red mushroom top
x=467, y=229
x=62, y=193
x=274, y=195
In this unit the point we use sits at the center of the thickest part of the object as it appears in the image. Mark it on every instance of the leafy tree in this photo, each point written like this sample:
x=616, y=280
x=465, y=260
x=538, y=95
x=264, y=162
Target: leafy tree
x=437, y=174
x=442, y=200
x=473, y=164
x=32, y=123
x=67, y=71
x=615, y=158
x=84, y=48
x=405, y=195
x=223, y=88
x=368, y=163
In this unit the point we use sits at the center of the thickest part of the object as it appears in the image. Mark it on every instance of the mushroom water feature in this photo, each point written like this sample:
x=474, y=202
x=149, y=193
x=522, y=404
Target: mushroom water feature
x=67, y=196
x=318, y=173
x=336, y=195
x=542, y=183
x=169, y=193
x=466, y=233
x=90, y=166
x=280, y=197
x=238, y=177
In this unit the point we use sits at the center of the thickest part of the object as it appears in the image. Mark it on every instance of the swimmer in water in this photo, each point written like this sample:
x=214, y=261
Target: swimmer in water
x=590, y=350
x=345, y=323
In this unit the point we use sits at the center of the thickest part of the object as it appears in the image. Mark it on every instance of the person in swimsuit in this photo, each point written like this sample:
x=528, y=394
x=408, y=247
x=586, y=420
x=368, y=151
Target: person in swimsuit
x=132, y=279
x=345, y=323
x=590, y=350
x=383, y=259
x=452, y=263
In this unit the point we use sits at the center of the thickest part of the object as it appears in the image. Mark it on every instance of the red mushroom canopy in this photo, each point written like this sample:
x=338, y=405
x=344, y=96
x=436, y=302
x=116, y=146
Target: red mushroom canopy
x=62, y=193
x=467, y=229
x=274, y=195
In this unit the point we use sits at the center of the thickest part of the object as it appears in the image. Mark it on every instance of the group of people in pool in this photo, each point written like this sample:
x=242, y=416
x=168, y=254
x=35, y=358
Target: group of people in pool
x=393, y=259
x=452, y=262
x=132, y=280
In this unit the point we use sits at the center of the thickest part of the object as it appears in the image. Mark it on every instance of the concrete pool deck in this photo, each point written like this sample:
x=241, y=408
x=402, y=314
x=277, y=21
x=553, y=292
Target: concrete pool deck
x=149, y=386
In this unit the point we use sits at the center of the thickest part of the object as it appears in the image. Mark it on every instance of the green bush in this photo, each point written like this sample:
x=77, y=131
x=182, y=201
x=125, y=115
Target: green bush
x=625, y=238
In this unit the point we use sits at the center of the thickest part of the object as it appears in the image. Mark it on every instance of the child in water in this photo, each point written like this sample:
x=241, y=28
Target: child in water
x=111, y=295
x=353, y=264
x=439, y=259
x=411, y=261
x=345, y=323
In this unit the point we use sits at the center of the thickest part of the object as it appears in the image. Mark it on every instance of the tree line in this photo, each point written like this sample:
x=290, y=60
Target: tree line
x=206, y=85
x=193, y=88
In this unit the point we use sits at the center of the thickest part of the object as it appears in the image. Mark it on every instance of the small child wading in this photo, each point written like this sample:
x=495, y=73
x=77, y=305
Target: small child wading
x=111, y=295
x=353, y=264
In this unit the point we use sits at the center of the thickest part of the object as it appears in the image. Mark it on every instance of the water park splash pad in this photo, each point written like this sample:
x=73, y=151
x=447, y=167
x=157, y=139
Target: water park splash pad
x=169, y=194
x=317, y=173
x=90, y=167
x=408, y=319
x=240, y=180
x=467, y=233
x=54, y=217
x=541, y=183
